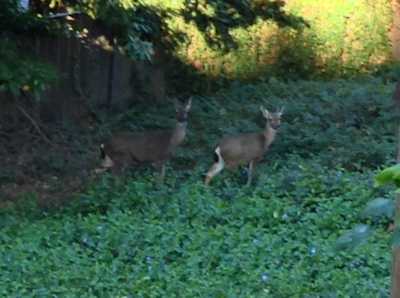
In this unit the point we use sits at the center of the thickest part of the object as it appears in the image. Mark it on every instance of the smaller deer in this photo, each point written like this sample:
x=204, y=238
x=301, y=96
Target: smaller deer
x=156, y=147
x=246, y=148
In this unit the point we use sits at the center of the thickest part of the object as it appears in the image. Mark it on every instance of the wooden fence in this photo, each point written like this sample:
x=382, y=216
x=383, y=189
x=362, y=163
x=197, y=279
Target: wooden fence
x=90, y=73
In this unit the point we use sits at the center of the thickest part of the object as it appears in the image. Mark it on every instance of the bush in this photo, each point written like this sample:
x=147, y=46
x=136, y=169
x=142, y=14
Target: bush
x=332, y=44
x=23, y=73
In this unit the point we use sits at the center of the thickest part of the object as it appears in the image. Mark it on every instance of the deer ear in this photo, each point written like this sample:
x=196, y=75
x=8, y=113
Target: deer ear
x=264, y=112
x=177, y=105
x=281, y=111
x=188, y=104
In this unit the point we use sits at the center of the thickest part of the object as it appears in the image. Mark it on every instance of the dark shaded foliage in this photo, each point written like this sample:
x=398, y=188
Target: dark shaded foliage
x=14, y=20
x=227, y=15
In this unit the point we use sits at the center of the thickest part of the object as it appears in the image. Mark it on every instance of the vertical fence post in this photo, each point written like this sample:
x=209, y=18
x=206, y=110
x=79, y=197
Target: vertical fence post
x=110, y=81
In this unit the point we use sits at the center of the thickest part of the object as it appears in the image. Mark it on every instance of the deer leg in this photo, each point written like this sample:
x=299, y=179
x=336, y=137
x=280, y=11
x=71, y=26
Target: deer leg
x=213, y=171
x=162, y=173
x=118, y=169
x=216, y=168
x=121, y=162
x=250, y=173
x=160, y=166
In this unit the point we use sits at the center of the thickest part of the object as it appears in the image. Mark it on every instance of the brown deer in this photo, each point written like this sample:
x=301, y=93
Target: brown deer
x=246, y=148
x=157, y=147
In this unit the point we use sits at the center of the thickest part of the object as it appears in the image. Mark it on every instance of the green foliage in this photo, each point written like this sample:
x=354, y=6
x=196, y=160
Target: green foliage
x=379, y=207
x=330, y=43
x=134, y=25
x=250, y=40
x=232, y=40
x=126, y=236
x=22, y=73
x=137, y=26
x=14, y=20
x=217, y=19
x=341, y=123
x=387, y=207
x=354, y=237
x=389, y=175
x=376, y=209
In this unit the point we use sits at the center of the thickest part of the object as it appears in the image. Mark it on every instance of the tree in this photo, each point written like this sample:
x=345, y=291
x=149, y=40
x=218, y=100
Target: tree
x=217, y=17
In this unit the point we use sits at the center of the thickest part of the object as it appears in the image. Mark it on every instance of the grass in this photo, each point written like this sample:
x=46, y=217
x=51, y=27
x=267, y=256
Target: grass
x=128, y=237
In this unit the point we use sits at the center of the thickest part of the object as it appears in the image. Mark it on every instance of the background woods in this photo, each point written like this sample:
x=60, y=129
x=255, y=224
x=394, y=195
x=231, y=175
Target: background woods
x=201, y=44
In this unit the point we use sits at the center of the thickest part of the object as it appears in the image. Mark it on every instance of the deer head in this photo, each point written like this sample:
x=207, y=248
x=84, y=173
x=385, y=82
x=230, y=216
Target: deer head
x=273, y=119
x=182, y=110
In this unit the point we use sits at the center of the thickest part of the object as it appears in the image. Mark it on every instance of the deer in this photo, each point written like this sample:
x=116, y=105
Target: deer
x=246, y=148
x=157, y=147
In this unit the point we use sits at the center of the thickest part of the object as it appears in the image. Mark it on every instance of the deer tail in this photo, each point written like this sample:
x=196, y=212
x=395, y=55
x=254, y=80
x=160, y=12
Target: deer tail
x=217, y=154
x=102, y=152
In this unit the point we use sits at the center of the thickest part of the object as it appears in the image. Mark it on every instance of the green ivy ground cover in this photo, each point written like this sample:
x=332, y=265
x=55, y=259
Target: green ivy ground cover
x=127, y=237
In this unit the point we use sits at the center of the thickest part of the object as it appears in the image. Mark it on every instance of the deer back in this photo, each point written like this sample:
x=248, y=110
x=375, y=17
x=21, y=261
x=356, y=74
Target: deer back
x=140, y=147
x=148, y=146
x=242, y=148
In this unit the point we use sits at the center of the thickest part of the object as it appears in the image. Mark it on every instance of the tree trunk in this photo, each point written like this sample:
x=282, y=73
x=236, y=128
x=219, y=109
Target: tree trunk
x=395, y=291
x=396, y=260
x=394, y=33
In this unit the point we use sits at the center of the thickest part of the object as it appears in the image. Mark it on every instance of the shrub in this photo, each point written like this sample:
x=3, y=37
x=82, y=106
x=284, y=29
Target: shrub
x=332, y=44
x=23, y=73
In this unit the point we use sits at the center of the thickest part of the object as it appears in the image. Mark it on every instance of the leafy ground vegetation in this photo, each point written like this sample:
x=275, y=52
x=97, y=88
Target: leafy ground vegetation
x=128, y=237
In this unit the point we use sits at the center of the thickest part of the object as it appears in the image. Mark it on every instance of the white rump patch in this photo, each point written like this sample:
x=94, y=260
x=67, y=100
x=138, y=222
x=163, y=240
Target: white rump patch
x=107, y=162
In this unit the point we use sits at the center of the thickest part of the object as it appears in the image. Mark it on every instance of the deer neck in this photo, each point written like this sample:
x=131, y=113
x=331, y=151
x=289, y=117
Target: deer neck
x=269, y=134
x=179, y=133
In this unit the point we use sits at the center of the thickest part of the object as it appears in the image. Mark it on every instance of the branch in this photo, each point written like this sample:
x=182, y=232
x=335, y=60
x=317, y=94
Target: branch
x=35, y=125
x=63, y=14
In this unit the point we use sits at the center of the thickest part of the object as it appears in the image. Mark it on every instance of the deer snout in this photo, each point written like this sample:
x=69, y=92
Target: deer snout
x=275, y=125
x=182, y=118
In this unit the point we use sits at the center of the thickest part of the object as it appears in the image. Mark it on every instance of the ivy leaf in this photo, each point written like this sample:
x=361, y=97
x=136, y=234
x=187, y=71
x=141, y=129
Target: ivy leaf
x=379, y=207
x=353, y=238
x=389, y=175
